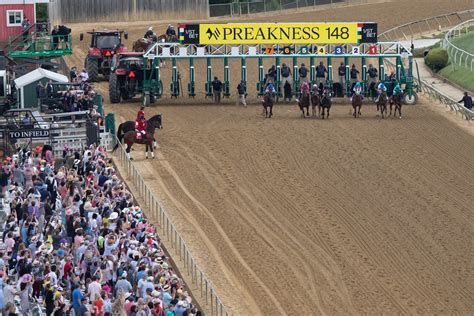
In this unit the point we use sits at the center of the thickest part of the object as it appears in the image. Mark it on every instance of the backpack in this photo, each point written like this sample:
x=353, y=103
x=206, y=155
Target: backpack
x=285, y=71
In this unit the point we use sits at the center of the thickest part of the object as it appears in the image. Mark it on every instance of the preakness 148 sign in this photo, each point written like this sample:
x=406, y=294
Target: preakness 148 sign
x=278, y=33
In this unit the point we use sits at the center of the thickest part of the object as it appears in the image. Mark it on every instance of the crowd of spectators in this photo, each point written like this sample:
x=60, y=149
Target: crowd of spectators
x=75, y=243
x=78, y=95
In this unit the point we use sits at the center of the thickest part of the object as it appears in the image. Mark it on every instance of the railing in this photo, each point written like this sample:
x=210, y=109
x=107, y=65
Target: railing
x=40, y=44
x=453, y=50
x=425, y=87
x=239, y=7
x=449, y=102
x=410, y=30
x=169, y=231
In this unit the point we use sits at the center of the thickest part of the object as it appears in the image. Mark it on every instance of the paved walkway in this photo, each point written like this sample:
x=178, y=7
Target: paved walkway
x=421, y=43
x=446, y=88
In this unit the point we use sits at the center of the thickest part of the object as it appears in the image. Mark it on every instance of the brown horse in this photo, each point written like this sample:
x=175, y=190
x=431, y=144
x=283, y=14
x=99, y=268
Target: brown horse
x=303, y=103
x=142, y=44
x=396, y=100
x=315, y=102
x=325, y=103
x=356, y=104
x=267, y=102
x=131, y=137
x=382, y=103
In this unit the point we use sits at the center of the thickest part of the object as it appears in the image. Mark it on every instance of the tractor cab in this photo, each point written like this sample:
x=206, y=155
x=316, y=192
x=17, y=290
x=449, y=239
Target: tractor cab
x=126, y=79
x=104, y=45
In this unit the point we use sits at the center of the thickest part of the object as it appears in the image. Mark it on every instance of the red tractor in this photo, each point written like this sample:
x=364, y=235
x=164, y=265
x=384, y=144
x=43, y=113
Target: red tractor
x=127, y=79
x=104, y=45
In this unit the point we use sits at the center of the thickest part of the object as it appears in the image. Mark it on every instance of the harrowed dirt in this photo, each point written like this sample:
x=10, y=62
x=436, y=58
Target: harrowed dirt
x=301, y=216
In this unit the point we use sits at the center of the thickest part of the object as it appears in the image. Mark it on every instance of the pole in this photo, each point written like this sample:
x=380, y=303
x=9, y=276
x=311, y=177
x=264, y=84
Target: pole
x=226, y=77
x=174, y=80
x=244, y=70
x=312, y=71
x=261, y=77
x=364, y=75
x=330, y=77
x=209, y=78
x=191, y=84
x=295, y=73
x=278, y=79
x=348, y=76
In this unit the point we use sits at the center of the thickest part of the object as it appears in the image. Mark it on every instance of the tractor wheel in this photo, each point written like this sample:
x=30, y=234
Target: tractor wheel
x=114, y=88
x=92, y=66
x=146, y=100
x=410, y=100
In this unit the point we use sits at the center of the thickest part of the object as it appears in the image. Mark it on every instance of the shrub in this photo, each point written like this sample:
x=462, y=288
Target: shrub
x=437, y=59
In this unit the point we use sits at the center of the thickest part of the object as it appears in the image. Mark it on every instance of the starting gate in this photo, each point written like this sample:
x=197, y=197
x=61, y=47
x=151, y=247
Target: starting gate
x=383, y=52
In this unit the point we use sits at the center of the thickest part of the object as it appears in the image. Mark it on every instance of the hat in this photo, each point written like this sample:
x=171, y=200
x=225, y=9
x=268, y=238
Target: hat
x=150, y=28
x=88, y=206
x=155, y=293
x=124, y=274
x=166, y=287
x=127, y=295
x=113, y=215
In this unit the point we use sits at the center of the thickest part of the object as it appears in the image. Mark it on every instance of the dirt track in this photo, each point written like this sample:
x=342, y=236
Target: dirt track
x=290, y=216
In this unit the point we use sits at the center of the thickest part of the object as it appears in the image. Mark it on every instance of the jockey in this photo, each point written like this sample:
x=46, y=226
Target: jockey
x=380, y=88
x=140, y=126
x=304, y=88
x=397, y=89
x=170, y=32
x=315, y=89
x=270, y=89
x=357, y=88
x=149, y=33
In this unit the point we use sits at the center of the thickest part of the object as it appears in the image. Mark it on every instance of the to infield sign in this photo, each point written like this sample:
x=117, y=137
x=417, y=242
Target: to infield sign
x=278, y=33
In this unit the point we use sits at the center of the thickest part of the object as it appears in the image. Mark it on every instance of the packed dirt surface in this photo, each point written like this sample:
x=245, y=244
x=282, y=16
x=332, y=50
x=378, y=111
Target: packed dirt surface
x=300, y=216
x=340, y=216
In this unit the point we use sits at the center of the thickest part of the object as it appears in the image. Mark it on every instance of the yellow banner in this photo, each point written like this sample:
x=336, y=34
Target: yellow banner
x=279, y=33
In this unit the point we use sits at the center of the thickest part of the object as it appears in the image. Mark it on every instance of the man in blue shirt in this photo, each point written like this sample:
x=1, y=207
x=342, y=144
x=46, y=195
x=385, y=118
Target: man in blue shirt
x=76, y=299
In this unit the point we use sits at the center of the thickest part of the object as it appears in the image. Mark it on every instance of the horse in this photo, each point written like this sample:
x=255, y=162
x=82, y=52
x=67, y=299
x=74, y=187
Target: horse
x=130, y=138
x=315, y=101
x=325, y=104
x=128, y=126
x=267, y=102
x=303, y=103
x=396, y=100
x=382, y=103
x=142, y=44
x=356, y=104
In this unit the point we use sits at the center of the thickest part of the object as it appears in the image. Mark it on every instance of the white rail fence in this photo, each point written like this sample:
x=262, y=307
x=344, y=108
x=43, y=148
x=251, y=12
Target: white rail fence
x=213, y=304
x=425, y=87
x=426, y=26
x=457, y=55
